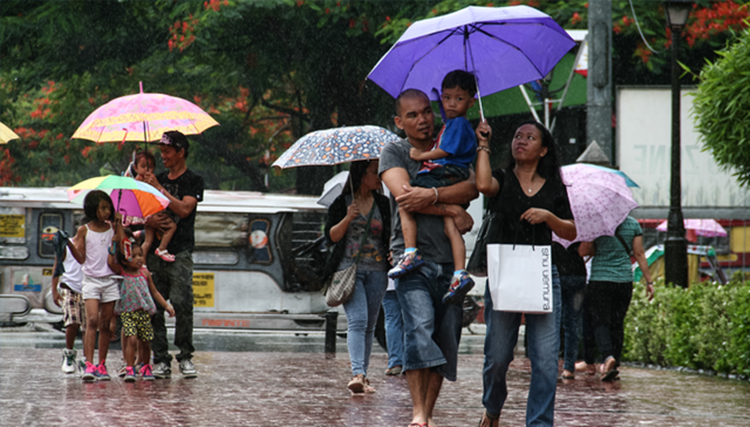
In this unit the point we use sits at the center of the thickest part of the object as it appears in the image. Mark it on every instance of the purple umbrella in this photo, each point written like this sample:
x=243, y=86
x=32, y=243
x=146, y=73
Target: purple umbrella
x=503, y=46
x=600, y=202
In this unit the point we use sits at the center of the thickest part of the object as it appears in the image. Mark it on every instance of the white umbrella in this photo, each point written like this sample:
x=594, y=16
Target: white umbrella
x=332, y=188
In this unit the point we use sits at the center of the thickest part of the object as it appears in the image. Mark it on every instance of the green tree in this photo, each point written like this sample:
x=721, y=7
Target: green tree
x=722, y=108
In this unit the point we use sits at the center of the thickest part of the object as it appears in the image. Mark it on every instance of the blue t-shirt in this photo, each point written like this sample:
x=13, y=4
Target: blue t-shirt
x=456, y=138
x=611, y=263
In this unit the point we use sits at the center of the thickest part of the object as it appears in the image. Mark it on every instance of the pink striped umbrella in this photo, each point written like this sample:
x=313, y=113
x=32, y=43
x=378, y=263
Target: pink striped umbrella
x=143, y=117
x=702, y=227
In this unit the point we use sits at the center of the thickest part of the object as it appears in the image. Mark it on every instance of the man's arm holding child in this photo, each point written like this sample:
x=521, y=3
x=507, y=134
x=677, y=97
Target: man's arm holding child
x=425, y=200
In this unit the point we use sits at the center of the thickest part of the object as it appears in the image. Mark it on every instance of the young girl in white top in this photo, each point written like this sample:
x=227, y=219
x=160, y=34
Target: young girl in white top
x=91, y=248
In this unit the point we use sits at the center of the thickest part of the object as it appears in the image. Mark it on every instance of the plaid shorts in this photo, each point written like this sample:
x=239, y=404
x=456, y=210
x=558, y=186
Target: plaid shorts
x=73, y=308
x=137, y=323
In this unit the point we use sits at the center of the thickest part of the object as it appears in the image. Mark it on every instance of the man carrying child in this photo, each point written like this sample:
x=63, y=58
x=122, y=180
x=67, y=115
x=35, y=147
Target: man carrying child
x=445, y=163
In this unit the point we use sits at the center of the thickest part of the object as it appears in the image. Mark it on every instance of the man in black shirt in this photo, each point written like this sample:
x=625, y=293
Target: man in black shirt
x=174, y=280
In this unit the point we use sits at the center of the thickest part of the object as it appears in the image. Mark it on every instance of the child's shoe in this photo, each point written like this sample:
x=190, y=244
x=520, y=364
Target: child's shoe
x=103, y=375
x=129, y=374
x=147, y=373
x=165, y=255
x=69, y=364
x=408, y=263
x=91, y=373
x=460, y=286
x=122, y=371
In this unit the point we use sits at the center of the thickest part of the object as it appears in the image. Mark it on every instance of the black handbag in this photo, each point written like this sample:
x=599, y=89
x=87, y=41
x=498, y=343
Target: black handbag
x=477, y=265
x=489, y=232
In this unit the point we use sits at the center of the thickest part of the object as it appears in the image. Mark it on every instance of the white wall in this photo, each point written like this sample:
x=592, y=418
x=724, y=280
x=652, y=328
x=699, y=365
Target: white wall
x=644, y=147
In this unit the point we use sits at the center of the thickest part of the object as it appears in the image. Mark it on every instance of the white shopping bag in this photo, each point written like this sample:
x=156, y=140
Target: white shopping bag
x=520, y=277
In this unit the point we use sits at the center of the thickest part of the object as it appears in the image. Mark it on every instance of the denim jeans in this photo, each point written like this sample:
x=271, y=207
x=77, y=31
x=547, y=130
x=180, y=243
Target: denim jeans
x=571, y=288
x=543, y=334
x=362, y=312
x=394, y=329
x=432, y=330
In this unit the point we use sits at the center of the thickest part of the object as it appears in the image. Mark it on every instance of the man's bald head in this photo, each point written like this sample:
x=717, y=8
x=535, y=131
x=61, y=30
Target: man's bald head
x=409, y=94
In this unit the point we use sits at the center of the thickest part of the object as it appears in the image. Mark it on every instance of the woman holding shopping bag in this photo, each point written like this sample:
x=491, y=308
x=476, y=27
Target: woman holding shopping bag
x=360, y=221
x=532, y=204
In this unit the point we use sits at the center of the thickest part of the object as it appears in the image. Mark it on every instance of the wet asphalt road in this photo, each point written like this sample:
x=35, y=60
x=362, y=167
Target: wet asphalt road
x=286, y=380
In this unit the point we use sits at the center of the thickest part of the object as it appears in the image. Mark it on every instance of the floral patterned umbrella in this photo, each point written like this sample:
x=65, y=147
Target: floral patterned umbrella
x=600, y=201
x=335, y=146
x=143, y=117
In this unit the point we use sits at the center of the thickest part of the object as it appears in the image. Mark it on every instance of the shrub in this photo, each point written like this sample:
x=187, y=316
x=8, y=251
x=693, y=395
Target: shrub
x=703, y=327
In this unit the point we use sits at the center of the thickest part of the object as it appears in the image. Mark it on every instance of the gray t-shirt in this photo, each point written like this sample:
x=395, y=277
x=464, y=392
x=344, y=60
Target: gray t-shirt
x=431, y=239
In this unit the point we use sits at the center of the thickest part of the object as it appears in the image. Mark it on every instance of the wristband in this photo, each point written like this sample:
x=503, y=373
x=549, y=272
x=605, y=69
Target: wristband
x=484, y=148
x=436, y=196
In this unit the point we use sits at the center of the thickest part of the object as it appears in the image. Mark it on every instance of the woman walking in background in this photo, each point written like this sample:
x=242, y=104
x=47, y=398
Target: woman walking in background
x=362, y=210
x=610, y=289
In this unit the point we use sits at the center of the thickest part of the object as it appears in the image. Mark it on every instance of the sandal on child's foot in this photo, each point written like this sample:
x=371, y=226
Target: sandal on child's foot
x=165, y=255
x=490, y=418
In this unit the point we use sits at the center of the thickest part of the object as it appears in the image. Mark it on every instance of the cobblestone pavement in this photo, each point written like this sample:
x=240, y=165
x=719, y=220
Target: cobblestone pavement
x=272, y=388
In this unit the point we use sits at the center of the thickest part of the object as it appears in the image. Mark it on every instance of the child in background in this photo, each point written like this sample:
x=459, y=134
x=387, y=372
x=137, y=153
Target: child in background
x=91, y=248
x=67, y=292
x=145, y=163
x=135, y=309
x=445, y=164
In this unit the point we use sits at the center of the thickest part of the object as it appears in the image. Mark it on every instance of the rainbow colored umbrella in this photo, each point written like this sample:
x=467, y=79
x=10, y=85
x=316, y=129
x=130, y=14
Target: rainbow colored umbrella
x=130, y=197
x=143, y=117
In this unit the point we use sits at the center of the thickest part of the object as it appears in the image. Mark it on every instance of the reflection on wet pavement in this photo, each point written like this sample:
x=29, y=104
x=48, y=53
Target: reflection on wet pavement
x=293, y=388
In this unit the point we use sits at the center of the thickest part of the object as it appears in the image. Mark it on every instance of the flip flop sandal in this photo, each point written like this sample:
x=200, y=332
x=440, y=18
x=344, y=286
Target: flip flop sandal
x=165, y=255
x=489, y=417
x=610, y=375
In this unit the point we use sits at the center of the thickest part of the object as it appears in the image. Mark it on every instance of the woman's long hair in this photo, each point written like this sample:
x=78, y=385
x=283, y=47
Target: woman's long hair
x=549, y=165
x=357, y=171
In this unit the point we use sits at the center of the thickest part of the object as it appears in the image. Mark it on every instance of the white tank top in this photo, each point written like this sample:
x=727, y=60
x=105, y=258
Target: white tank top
x=73, y=275
x=97, y=250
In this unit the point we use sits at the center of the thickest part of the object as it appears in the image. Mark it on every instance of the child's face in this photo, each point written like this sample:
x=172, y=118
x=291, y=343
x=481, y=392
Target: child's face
x=456, y=102
x=104, y=211
x=143, y=166
x=137, y=262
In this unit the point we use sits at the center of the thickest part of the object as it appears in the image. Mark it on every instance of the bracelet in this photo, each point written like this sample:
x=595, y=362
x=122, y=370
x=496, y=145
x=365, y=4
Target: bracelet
x=436, y=196
x=484, y=148
x=650, y=283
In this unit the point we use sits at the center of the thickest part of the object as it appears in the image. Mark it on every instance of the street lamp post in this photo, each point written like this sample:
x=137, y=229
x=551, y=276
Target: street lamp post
x=675, y=248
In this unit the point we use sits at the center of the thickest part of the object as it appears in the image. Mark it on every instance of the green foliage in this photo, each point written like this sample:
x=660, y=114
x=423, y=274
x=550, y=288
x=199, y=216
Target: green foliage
x=722, y=108
x=703, y=327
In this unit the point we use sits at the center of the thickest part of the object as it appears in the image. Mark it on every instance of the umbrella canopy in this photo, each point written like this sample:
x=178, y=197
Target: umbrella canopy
x=130, y=197
x=600, y=201
x=628, y=181
x=702, y=227
x=332, y=188
x=336, y=146
x=503, y=46
x=6, y=134
x=143, y=117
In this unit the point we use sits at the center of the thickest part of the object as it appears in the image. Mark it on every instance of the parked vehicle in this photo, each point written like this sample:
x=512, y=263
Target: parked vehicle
x=250, y=270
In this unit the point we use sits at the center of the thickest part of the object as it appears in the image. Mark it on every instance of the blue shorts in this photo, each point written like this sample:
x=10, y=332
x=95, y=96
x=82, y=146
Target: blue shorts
x=444, y=176
x=432, y=330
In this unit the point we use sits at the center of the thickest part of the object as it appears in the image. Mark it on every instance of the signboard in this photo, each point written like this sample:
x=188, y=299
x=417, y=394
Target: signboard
x=12, y=226
x=644, y=141
x=203, y=290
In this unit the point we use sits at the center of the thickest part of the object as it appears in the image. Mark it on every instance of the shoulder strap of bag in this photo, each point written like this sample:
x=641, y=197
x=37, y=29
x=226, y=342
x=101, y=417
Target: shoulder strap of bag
x=622, y=241
x=364, y=235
